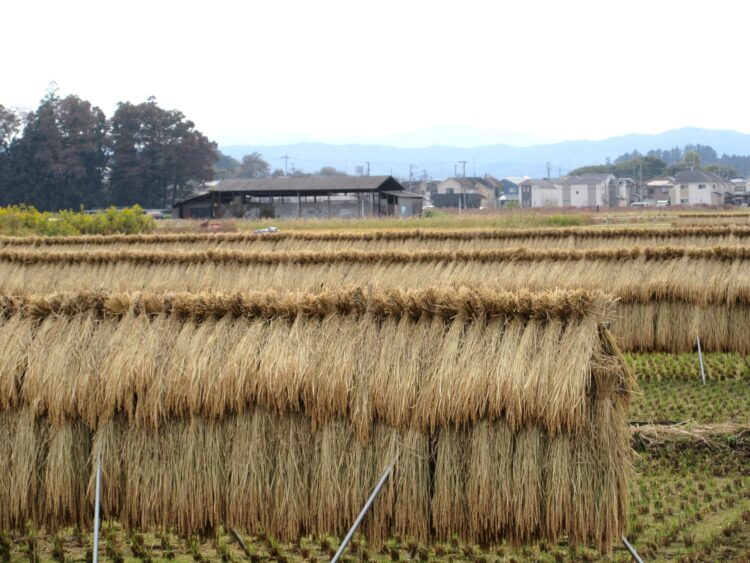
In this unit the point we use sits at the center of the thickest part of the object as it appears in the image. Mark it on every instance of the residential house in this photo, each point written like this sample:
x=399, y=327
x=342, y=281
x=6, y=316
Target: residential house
x=740, y=192
x=587, y=190
x=510, y=189
x=489, y=189
x=696, y=187
x=592, y=190
x=539, y=193
x=658, y=189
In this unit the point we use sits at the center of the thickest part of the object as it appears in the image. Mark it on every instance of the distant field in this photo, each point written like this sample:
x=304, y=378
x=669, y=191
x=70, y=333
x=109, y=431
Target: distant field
x=488, y=218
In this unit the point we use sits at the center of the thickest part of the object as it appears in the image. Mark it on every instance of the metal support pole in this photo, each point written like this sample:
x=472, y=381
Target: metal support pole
x=632, y=550
x=362, y=514
x=700, y=357
x=97, y=504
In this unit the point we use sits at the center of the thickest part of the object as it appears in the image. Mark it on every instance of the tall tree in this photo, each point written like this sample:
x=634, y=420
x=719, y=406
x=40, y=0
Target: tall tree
x=156, y=155
x=330, y=171
x=253, y=166
x=60, y=159
x=226, y=166
x=9, y=126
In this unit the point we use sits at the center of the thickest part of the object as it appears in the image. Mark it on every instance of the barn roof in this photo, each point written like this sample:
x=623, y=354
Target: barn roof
x=294, y=184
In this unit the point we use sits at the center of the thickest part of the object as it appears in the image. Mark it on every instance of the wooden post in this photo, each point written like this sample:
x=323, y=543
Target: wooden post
x=299, y=205
x=329, y=205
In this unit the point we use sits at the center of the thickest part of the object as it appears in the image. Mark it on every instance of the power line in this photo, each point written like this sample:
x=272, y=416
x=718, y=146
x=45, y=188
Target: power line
x=285, y=158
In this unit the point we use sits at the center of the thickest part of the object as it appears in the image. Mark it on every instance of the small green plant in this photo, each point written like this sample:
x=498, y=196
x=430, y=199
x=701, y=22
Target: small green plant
x=4, y=547
x=58, y=552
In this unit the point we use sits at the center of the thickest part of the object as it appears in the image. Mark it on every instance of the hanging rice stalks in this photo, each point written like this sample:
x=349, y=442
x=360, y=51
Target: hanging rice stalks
x=503, y=413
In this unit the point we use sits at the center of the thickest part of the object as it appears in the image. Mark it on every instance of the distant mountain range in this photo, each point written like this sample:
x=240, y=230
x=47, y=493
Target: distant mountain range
x=441, y=161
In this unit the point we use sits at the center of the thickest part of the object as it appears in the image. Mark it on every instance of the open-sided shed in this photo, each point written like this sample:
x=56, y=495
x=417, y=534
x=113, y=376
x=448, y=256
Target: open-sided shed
x=302, y=197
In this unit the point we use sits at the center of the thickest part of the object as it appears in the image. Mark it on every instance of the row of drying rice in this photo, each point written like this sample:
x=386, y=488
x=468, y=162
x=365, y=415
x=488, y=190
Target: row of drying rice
x=414, y=239
x=667, y=297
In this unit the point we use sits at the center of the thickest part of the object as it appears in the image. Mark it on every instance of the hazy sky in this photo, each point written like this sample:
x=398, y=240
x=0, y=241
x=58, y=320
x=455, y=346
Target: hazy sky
x=276, y=71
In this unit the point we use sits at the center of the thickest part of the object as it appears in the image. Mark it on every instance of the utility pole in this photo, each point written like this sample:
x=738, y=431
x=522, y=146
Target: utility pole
x=463, y=164
x=412, y=167
x=640, y=173
x=368, y=168
x=549, y=168
x=285, y=158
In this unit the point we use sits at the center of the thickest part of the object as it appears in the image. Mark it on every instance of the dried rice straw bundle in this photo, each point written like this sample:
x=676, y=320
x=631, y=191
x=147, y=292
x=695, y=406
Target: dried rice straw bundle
x=8, y=421
x=504, y=414
x=450, y=511
x=16, y=334
x=107, y=446
x=489, y=490
x=413, y=480
x=66, y=472
x=27, y=461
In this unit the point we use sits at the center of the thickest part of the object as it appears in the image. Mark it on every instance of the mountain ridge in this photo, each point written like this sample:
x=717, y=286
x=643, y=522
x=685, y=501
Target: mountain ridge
x=440, y=161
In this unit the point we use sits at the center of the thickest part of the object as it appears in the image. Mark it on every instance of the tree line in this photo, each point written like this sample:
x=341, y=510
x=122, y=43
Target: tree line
x=67, y=154
x=255, y=166
x=657, y=163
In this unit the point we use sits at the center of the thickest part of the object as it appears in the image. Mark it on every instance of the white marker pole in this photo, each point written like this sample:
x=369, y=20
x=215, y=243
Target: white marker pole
x=95, y=555
x=700, y=357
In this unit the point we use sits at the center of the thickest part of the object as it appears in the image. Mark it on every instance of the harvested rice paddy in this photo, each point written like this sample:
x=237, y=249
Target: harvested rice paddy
x=691, y=503
x=270, y=407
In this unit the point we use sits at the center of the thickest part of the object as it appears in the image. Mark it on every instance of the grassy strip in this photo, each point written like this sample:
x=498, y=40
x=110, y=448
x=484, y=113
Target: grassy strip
x=684, y=400
x=719, y=366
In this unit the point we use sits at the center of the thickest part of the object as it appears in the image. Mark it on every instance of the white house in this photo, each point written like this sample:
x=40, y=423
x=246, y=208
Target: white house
x=592, y=190
x=539, y=193
x=741, y=192
x=487, y=187
x=696, y=187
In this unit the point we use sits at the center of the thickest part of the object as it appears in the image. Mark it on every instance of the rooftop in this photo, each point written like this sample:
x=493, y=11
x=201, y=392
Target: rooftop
x=698, y=177
x=293, y=184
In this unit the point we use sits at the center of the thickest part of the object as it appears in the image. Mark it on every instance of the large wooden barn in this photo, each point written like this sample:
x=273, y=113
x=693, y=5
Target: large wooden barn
x=302, y=197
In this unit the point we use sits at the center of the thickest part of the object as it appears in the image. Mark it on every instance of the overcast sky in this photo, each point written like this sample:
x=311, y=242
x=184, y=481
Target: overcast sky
x=252, y=72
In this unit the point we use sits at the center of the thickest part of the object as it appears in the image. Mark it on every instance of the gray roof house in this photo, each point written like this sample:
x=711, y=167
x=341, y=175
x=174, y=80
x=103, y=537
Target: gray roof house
x=539, y=192
x=487, y=188
x=592, y=190
x=697, y=187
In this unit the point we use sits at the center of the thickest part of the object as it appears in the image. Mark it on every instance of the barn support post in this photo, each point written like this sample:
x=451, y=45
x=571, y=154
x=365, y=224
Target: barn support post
x=299, y=205
x=329, y=205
